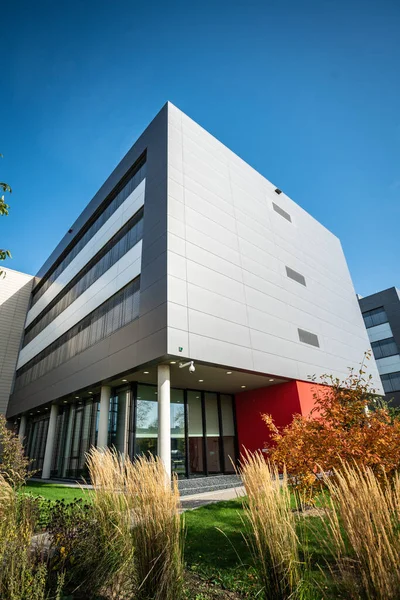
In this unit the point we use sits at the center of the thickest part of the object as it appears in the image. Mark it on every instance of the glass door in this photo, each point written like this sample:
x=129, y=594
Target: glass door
x=178, y=442
x=195, y=434
x=213, y=441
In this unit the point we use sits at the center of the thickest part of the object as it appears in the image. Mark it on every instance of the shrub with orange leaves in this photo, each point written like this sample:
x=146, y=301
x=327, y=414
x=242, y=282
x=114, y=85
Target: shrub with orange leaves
x=348, y=423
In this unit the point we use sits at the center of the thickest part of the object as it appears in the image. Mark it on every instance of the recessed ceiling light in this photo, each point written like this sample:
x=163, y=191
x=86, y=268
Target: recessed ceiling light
x=31, y=413
x=124, y=380
x=197, y=397
x=38, y=411
x=242, y=386
x=46, y=408
x=201, y=380
x=156, y=393
x=90, y=392
x=146, y=372
x=229, y=372
x=65, y=401
x=271, y=379
x=173, y=362
x=76, y=397
x=80, y=402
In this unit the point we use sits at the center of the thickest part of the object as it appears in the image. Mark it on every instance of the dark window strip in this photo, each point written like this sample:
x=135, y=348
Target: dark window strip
x=391, y=382
x=117, y=311
x=124, y=188
x=115, y=248
x=384, y=348
x=376, y=316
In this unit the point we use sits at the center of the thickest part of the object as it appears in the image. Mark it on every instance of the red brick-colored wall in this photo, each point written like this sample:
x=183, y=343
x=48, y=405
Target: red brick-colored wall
x=281, y=401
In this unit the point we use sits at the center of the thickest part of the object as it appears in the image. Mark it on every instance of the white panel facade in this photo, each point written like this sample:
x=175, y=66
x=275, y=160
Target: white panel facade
x=15, y=289
x=231, y=301
x=123, y=213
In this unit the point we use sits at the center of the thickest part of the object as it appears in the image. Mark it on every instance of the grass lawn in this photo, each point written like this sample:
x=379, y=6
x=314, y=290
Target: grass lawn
x=217, y=555
x=215, y=549
x=54, y=491
x=218, y=560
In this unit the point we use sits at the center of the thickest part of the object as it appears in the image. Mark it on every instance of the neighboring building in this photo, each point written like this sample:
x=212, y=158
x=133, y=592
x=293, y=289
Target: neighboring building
x=15, y=293
x=381, y=313
x=185, y=253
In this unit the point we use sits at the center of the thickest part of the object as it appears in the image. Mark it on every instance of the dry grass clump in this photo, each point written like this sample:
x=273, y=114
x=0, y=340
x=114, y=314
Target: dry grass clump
x=144, y=509
x=23, y=573
x=363, y=526
x=273, y=540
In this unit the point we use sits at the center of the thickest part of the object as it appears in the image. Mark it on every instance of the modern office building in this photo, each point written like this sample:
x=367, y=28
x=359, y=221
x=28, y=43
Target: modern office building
x=381, y=313
x=186, y=253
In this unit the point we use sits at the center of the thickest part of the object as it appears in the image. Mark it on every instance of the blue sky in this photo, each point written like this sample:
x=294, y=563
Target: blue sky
x=307, y=92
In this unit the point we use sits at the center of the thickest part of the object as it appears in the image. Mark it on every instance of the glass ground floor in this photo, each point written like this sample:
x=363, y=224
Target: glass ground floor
x=202, y=427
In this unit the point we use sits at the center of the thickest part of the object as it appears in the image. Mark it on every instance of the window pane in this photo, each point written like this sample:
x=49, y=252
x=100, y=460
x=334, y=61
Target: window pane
x=146, y=420
x=122, y=419
x=228, y=429
x=374, y=317
x=178, y=447
x=195, y=427
x=212, y=429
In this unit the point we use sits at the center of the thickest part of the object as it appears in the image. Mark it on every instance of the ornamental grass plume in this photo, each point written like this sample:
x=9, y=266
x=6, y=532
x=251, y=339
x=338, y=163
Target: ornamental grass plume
x=109, y=563
x=363, y=528
x=158, y=529
x=273, y=539
x=150, y=507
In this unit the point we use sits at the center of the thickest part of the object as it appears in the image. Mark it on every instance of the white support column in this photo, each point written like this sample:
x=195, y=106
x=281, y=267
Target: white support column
x=102, y=434
x=51, y=434
x=22, y=429
x=164, y=426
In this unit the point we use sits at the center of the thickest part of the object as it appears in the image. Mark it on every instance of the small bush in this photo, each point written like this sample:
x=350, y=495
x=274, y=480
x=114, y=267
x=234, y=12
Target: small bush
x=14, y=465
x=346, y=424
x=23, y=572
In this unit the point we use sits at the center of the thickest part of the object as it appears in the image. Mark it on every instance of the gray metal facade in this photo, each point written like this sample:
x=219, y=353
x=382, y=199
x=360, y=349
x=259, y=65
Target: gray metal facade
x=145, y=338
x=389, y=300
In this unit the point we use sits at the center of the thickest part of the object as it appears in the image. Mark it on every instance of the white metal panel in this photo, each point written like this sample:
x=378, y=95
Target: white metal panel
x=236, y=252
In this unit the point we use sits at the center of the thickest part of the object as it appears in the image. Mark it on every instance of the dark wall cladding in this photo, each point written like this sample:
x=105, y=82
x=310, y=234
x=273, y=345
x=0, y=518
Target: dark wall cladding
x=295, y=276
x=142, y=337
x=117, y=311
x=120, y=244
x=281, y=212
x=308, y=338
x=139, y=173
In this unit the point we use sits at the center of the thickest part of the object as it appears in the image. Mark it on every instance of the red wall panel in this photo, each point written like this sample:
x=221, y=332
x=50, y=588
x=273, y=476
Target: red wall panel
x=281, y=401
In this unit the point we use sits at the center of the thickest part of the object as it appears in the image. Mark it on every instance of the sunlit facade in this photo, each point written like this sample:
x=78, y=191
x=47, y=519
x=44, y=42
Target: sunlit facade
x=185, y=254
